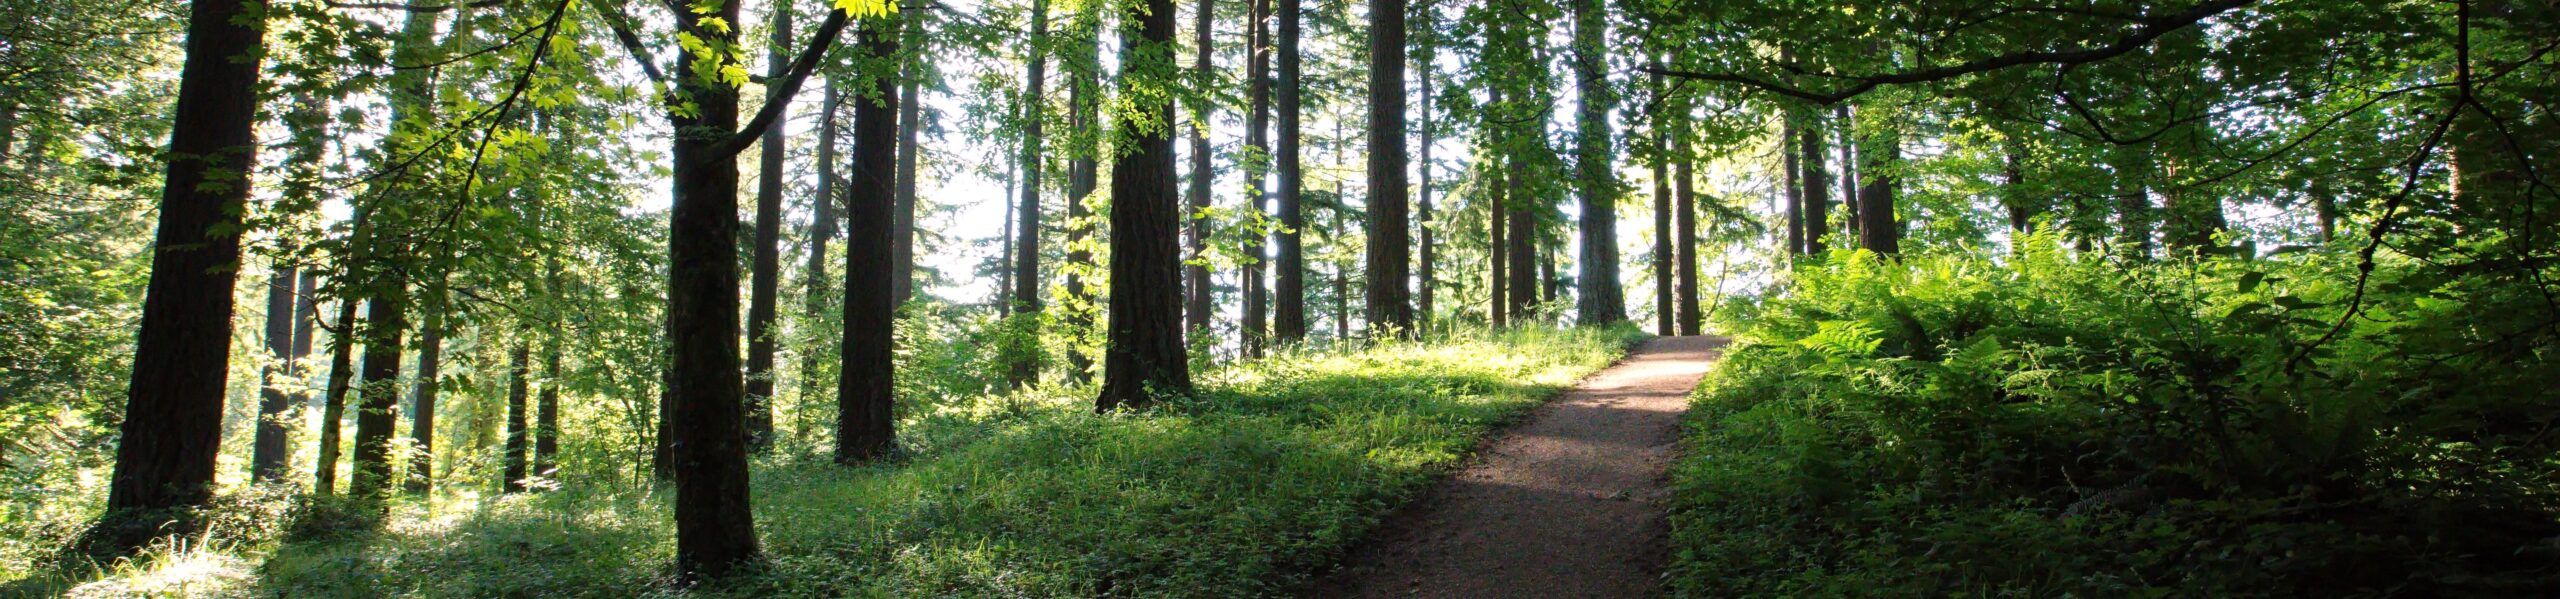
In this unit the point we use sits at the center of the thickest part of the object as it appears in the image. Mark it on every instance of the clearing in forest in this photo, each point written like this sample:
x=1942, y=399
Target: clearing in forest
x=1563, y=505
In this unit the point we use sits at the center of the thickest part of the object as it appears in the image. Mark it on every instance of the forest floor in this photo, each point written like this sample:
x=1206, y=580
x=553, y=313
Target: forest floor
x=1566, y=504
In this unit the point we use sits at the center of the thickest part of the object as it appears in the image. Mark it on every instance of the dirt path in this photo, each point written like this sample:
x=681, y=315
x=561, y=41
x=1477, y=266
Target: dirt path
x=1566, y=504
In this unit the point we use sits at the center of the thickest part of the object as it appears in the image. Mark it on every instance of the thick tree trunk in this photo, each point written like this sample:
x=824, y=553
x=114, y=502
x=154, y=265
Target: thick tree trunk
x=1521, y=242
x=1025, y=365
x=333, y=399
x=172, y=430
x=1881, y=228
x=422, y=396
x=865, y=422
x=1289, y=306
x=268, y=448
x=517, y=458
x=1257, y=138
x=1603, y=300
x=1195, y=276
x=1389, y=300
x=765, y=282
x=1144, y=355
x=386, y=318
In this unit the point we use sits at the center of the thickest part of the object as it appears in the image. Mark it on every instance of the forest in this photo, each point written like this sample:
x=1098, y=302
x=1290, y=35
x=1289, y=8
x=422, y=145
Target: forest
x=1241, y=298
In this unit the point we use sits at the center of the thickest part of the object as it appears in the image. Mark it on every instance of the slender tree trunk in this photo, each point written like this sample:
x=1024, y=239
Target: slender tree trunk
x=1663, y=303
x=1289, y=319
x=172, y=430
x=1427, y=285
x=1792, y=157
x=1341, y=273
x=1084, y=167
x=333, y=409
x=1257, y=138
x=902, y=257
x=1497, y=227
x=822, y=229
x=865, y=421
x=2324, y=207
x=546, y=413
x=1004, y=265
x=2013, y=181
x=422, y=413
x=1522, y=240
x=1603, y=300
x=268, y=448
x=1685, y=214
x=1195, y=276
x=766, y=279
x=517, y=457
x=1850, y=197
x=387, y=303
x=1145, y=353
x=386, y=317
x=1026, y=269
x=1389, y=300
x=273, y=447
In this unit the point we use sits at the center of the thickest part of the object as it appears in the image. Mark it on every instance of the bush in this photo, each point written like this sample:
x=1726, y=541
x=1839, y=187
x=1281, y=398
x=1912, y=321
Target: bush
x=2046, y=425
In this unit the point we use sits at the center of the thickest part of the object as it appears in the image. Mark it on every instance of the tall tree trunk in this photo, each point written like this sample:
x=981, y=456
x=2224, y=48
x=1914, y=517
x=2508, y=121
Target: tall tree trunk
x=422, y=395
x=333, y=399
x=2013, y=192
x=1389, y=301
x=2133, y=202
x=1842, y=120
x=1521, y=242
x=386, y=317
x=268, y=449
x=1289, y=306
x=1427, y=283
x=1195, y=276
x=865, y=421
x=822, y=229
x=1341, y=271
x=1603, y=301
x=273, y=447
x=546, y=413
x=172, y=430
x=766, y=279
x=1881, y=229
x=1144, y=355
x=1497, y=248
x=387, y=303
x=1003, y=262
x=1817, y=185
x=1084, y=167
x=1025, y=365
x=1663, y=303
x=902, y=256
x=1684, y=198
x=1791, y=159
x=1257, y=137
x=517, y=457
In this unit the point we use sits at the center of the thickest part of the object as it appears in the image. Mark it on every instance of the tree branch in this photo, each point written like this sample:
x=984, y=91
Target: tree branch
x=421, y=8
x=778, y=97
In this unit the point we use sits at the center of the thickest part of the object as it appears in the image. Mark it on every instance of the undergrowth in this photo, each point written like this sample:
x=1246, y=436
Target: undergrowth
x=1247, y=489
x=2043, y=426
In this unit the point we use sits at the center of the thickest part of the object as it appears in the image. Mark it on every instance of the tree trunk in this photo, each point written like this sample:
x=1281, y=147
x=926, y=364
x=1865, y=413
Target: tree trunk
x=518, y=391
x=765, y=281
x=865, y=422
x=1144, y=355
x=1083, y=173
x=1521, y=242
x=1195, y=276
x=268, y=449
x=1603, y=301
x=333, y=409
x=902, y=258
x=822, y=229
x=1025, y=365
x=2013, y=181
x=2133, y=202
x=1791, y=157
x=1257, y=138
x=172, y=430
x=1817, y=186
x=1685, y=214
x=1497, y=228
x=422, y=395
x=1289, y=318
x=546, y=414
x=1850, y=198
x=386, y=317
x=1427, y=283
x=1389, y=302
x=1881, y=229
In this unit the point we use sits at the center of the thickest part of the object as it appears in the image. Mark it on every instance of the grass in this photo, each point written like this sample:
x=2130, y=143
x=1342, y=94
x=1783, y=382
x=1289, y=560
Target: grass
x=1248, y=489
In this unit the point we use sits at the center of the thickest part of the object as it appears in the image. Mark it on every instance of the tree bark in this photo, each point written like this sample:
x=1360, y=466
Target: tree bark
x=422, y=395
x=517, y=458
x=546, y=414
x=1497, y=229
x=1817, y=185
x=2013, y=181
x=1084, y=167
x=822, y=229
x=1289, y=306
x=1521, y=242
x=1791, y=154
x=1602, y=300
x=1685, y=214
x=268, y=448
x=902, y=257
x=1850, y=197
x=1427, y=283
x=1664, y=305
x=1258, y=138
x=1144, y=354
x=764, y=287
x=1195, y=276
x=865, y=421
x=1881, y=229
x=333, y=408
x=1025, y=365
x=1389, y=301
